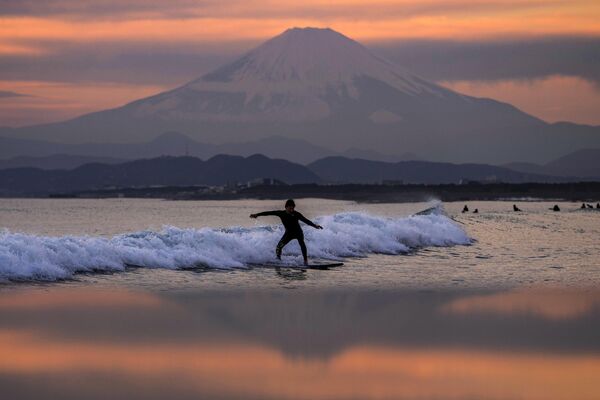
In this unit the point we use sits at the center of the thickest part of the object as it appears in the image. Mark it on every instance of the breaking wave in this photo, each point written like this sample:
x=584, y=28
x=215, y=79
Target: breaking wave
x=32, y=257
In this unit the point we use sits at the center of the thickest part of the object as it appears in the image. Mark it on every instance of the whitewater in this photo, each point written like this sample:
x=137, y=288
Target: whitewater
x=31, y=257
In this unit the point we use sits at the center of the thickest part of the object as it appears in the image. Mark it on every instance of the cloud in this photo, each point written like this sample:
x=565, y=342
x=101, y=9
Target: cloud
x=8, y=93
x=443, y=60
x=438, y=60
x=125, y=62
x=267, y=9
x=553, y=99
x=71, y=20
x=94, y=9
x=51, y=101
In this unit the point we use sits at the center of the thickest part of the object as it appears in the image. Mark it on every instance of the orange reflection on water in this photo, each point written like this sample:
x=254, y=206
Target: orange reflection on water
x=367, y=372
x=79, y=298
x=543, y=302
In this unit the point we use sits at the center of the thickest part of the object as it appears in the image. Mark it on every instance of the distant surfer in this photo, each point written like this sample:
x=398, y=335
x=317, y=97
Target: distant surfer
x=476, y=211
x=555, y=208
x=290, y=219
x=465, y=209
x=515, y=208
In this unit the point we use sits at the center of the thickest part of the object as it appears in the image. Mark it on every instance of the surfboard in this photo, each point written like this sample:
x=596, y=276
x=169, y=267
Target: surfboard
x=321, y=266
x=314, y=265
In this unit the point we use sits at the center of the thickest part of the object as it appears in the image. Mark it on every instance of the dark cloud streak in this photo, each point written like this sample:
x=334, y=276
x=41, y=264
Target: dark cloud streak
x=98, y=9
x=174, y=64
x=8, y=93
x=498, y=60
x=131, y=63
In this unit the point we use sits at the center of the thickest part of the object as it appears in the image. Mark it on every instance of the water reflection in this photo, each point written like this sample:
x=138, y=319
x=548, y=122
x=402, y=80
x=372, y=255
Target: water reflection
x=66, y=343
x=541, y=302
x=290, y=274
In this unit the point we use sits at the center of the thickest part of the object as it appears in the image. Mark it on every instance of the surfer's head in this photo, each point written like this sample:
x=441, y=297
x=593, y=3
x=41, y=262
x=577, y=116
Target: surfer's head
x=289, y=205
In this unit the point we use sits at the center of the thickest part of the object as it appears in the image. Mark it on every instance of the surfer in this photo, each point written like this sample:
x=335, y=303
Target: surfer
x=515, y=208
x=290, y=219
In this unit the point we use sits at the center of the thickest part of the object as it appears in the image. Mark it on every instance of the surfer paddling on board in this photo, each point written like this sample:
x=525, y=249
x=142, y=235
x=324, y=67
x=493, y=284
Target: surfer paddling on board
x=290, y=219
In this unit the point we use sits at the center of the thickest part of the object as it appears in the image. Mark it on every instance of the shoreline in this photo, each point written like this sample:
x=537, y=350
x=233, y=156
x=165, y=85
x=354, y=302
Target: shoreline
x=363, y=193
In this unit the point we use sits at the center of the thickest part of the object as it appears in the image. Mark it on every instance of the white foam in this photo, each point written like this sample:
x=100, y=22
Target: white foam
x=32, y=257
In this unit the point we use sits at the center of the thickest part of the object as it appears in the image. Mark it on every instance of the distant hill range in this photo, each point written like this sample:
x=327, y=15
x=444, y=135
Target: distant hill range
x=345, y=170
x=324, y=88
x=162, y=171
x=583, y=163
x=56, y=161
x=48, y=155
x=225, y=169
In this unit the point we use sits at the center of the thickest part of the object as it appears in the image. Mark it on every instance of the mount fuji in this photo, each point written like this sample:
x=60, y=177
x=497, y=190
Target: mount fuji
x=320, y=86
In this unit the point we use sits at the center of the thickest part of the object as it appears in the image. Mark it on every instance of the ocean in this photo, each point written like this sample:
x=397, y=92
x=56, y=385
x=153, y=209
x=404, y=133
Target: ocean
x=194, y=244
x=431, y=303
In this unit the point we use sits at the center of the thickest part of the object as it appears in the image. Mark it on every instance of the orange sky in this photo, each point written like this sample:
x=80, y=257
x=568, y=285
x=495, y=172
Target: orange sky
x=38, y=30
x=377, y=20
x=553, y=99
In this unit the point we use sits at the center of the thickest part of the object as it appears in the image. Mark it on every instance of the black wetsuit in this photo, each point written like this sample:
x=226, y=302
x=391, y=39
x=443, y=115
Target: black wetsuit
x=292, y=229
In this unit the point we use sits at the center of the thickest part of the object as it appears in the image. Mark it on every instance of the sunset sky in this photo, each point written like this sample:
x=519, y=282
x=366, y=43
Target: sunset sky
x=63, y=58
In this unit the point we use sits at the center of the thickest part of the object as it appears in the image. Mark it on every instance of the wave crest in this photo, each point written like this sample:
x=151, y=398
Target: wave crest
x=33, y=257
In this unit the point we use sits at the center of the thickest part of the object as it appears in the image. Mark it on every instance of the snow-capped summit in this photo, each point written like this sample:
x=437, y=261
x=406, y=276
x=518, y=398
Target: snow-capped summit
x=302, y=74
x=311, y=56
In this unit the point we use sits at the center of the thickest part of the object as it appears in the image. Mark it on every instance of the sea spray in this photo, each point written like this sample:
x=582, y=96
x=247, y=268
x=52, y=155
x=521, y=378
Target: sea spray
x=353, y=234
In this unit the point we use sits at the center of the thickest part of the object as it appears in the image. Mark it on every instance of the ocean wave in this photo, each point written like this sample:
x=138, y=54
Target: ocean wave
x=355, y=234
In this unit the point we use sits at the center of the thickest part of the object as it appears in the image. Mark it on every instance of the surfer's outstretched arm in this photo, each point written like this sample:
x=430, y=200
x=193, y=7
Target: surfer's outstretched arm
x=308, y=221
x=264, y=213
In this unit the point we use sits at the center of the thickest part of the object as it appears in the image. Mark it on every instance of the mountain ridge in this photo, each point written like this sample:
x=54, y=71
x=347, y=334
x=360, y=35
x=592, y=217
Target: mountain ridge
x=344, y=170
x=322, y=87
x=225, y=169
x=174, y=144
x=176, y=171
x=584, y=163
